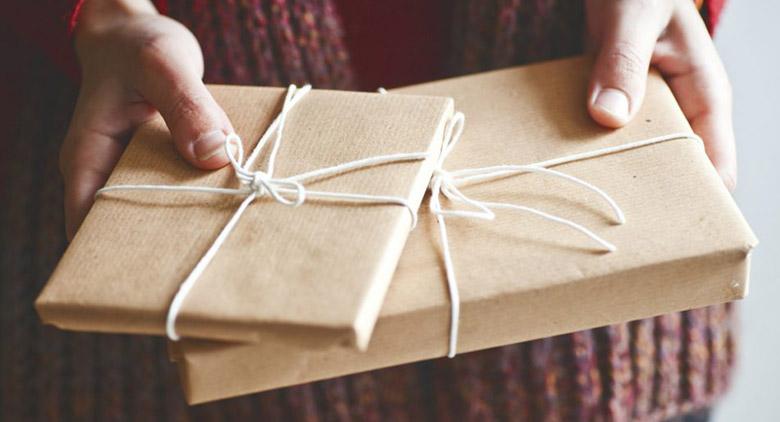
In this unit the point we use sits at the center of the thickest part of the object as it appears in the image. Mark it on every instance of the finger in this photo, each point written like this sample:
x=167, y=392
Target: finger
x=170, y=81
x=626, y=41
x=696, y=75
x=86, y=162
x=715, y=128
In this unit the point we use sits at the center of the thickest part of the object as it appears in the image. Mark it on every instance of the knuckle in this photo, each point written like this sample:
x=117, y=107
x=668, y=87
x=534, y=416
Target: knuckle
x=626, y=60
x=153, y=44
x=152, y=52
x=184, y=107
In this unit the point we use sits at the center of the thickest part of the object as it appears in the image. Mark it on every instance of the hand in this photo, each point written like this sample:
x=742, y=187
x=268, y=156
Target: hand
x=631, y=35
x=134, y=64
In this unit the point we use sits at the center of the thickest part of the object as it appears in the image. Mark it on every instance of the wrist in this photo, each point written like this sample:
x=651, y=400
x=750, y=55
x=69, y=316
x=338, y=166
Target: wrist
x=96, y=16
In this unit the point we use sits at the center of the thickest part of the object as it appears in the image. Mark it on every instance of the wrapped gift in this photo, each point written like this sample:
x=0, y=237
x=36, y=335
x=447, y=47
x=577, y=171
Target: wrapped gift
x=308, y=261
x=683, y=245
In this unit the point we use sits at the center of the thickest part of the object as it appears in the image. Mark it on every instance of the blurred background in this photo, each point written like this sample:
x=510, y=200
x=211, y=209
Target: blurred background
x=748, y=43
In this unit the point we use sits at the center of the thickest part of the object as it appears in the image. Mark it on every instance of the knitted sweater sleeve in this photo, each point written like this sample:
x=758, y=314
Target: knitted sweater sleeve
x=47, y=26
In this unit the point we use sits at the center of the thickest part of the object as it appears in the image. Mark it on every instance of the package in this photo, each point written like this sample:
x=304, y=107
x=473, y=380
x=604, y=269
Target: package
x=684, y=243
x=313, y=275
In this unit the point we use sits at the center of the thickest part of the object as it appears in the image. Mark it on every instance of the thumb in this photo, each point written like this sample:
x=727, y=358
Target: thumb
x=617, y=85
x=197, y=123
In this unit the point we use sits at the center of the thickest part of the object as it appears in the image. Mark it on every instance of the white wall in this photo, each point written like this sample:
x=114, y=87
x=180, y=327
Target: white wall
x=748, y=40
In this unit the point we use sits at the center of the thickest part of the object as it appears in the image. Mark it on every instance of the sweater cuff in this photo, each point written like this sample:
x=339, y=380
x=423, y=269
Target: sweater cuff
x=711, y=11
x=73, y=17
x=68, y=62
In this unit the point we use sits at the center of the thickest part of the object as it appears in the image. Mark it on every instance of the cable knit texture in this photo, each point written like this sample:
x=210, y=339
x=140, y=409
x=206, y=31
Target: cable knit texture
x=653, y=369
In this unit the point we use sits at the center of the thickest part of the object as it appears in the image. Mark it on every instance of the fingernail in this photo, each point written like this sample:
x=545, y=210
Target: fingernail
x=209, y=145
x=614, y=102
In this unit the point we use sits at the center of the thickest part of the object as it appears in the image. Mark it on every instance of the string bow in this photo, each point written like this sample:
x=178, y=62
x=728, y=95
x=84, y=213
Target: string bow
x=448, y=183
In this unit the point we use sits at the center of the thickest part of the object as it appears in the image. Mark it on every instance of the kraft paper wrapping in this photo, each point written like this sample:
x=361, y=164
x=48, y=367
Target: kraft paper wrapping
x=684, y=245
x=315, y=274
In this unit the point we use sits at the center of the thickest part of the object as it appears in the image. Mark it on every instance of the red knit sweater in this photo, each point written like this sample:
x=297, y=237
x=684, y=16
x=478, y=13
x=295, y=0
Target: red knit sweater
x=391, y=42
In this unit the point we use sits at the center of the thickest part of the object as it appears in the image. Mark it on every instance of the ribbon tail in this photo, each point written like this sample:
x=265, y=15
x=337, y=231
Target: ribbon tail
x=609, y=247
x=452, y=286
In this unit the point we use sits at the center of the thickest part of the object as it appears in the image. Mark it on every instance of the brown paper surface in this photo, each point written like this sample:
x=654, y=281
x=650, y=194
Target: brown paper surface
x=684, y=245
x=314, y=274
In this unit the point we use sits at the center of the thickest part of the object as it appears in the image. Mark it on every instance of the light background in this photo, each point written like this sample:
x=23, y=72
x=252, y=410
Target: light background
x=748, y=40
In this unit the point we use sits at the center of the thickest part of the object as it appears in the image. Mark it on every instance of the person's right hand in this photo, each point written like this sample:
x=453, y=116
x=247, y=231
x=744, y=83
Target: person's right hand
x=135, y=63
x=629, y=37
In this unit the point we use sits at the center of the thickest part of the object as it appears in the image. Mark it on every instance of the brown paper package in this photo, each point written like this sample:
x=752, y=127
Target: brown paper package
x=684, y=245
x=316, y=274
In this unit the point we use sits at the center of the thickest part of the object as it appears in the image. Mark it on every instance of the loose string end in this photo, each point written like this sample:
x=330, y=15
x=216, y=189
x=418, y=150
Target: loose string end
x=414, y=220
x=170, y=327
x=609, y=247
x=621, y=217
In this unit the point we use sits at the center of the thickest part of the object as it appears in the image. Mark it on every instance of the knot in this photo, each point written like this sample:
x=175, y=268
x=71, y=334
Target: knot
x=261, y=184
x=283, y=190
x=440, y=177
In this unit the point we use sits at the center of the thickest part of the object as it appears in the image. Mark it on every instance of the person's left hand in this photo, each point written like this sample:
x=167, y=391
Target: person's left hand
x=631, y=35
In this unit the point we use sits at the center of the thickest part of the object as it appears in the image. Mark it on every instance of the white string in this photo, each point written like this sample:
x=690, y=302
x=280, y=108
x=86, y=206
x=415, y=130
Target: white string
x=256, y=184
x=447, y=183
